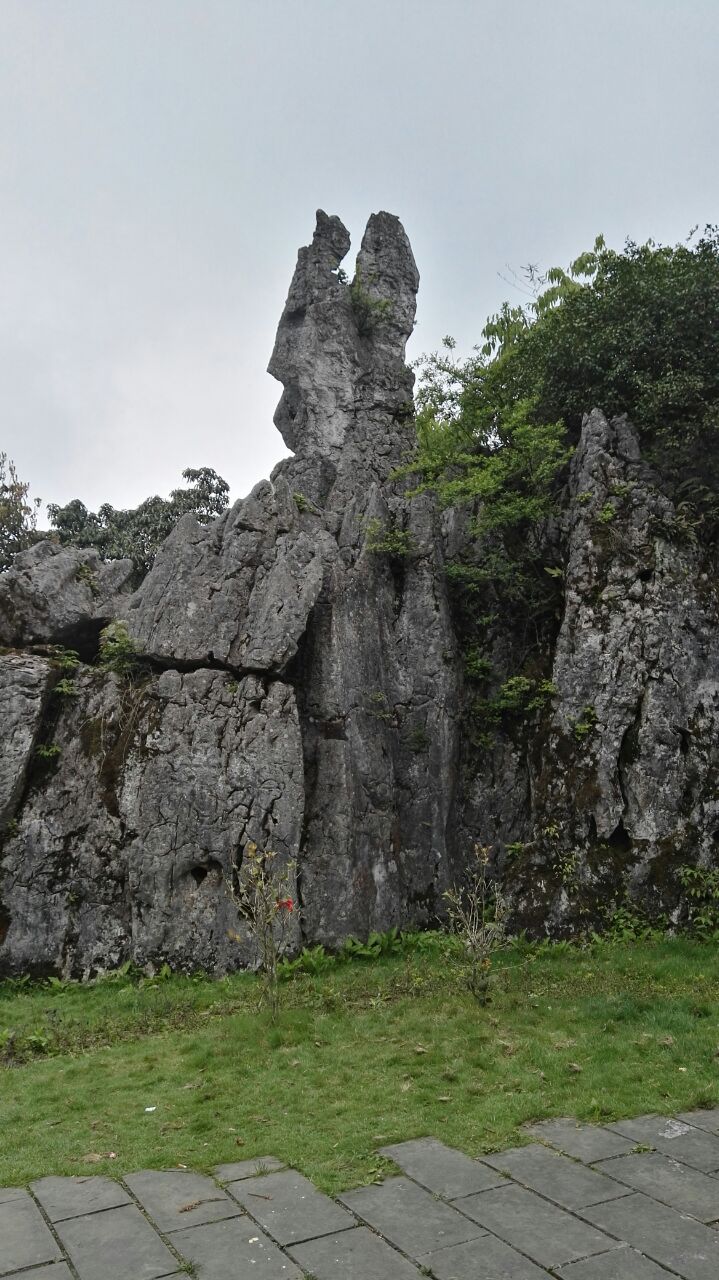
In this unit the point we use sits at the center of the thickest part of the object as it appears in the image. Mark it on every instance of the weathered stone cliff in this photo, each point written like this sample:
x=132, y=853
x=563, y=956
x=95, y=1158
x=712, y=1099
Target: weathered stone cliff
x=302, y=691
x=300, y=686
x=607, y=792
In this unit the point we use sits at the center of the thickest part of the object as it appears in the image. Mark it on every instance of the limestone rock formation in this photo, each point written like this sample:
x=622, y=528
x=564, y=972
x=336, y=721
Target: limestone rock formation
x=299, y=684
x=616, y=786
x=309, y=695
x=124, y=841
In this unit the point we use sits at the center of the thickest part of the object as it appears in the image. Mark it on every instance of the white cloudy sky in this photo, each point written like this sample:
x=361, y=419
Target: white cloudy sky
x=161, y=162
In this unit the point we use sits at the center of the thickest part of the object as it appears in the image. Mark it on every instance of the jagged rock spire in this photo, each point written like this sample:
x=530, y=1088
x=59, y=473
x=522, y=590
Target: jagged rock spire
x=339, y=349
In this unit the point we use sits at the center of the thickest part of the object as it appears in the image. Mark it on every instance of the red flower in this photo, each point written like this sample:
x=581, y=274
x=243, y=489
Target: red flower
x=286, y=904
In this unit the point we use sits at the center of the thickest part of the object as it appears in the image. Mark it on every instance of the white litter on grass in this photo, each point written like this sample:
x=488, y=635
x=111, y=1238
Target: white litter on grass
x=150, y=1108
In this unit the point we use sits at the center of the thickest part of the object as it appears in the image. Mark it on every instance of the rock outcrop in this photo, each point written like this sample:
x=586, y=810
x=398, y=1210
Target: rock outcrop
x=606, y=794
x=299, y=685
x=304, y=688
x=60, y=595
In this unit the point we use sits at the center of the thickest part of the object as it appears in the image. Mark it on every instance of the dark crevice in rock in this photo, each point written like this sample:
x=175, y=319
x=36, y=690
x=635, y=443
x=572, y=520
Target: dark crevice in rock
x=210, y=868
x=210, y=663
x=620, y=839
x=84, y=638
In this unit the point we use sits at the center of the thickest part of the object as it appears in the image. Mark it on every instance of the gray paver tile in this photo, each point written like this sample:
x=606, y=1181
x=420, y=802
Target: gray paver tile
x=681, y=1244
x=485, y=1258
x=410, y=1217
x=24, y=1236
x=70, y=1197
x=247, y=1168
x=620, y=1264
x=353, y=1255
x=586, y=1142
x=290, y=1207
x=692, y=1146
x=176, y=1199
x=556, y=1176
x=116, y=1244
x=235, y=1249
x=664, y=1179
x=548, y=1235
x=708, y=1120
x=11, y=1193
x=440, y=1169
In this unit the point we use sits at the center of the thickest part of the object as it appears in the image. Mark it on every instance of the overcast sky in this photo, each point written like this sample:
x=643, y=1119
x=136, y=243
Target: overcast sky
x=161, y=162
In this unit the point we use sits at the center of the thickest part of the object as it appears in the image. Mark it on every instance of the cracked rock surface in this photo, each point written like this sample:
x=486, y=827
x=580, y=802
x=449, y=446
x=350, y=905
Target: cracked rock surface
x=305, y=683
x=123, y=846
x=58, y=595
x=617, y=786
x=301, y=686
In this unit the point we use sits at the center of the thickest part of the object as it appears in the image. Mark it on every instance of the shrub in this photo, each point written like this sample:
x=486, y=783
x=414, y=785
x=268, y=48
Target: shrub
x=262, y=893
x=478, y=915
x=117, y=651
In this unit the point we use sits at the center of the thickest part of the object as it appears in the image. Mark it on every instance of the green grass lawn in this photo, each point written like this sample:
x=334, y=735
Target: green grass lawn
x=367, y=1054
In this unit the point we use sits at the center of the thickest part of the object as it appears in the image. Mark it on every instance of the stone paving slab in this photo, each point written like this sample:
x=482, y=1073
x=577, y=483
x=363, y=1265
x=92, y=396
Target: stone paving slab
x=620, y=1264
x=410, y=1217
x=692, y=1146
x=708, y=1120
x=236, y=1249
x=117, y=1244
x=676, y=1242
x=25, y=1240
x=664, y=1179
x=585, y=1142
x=289, y=1207
x=176, y=1199
x=12, y=1193
x=556, y=1177
x=353, y=1255
x=440, y=1169
x=247, y=1169
x=485, y=1258
x=533, y=1226
x=70, y=1197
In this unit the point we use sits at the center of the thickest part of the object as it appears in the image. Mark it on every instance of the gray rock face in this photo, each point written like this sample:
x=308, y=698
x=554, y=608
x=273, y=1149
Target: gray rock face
x=125, y=847
x=59, y=595
x=24, y=686
x=616, y=787
x=238, y=592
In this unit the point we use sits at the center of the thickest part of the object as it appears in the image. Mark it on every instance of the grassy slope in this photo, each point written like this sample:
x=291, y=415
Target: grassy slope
x=367, y=1054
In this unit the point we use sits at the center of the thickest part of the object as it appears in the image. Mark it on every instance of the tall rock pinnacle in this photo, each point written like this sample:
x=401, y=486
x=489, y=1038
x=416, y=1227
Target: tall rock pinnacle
x=339, y=349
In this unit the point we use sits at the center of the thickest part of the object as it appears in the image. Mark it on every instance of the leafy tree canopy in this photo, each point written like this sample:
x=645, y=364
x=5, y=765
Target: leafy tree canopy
x=633, y=332
x=136, y=534
x=18, y=513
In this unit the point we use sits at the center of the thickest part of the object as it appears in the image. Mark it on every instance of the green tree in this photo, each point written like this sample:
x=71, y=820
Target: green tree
x=629, y=332
x=18, y=513
x=138, y=532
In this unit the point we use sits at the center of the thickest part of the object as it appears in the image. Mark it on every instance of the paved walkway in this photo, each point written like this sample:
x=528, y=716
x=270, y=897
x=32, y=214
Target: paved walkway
x=636, y=1200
